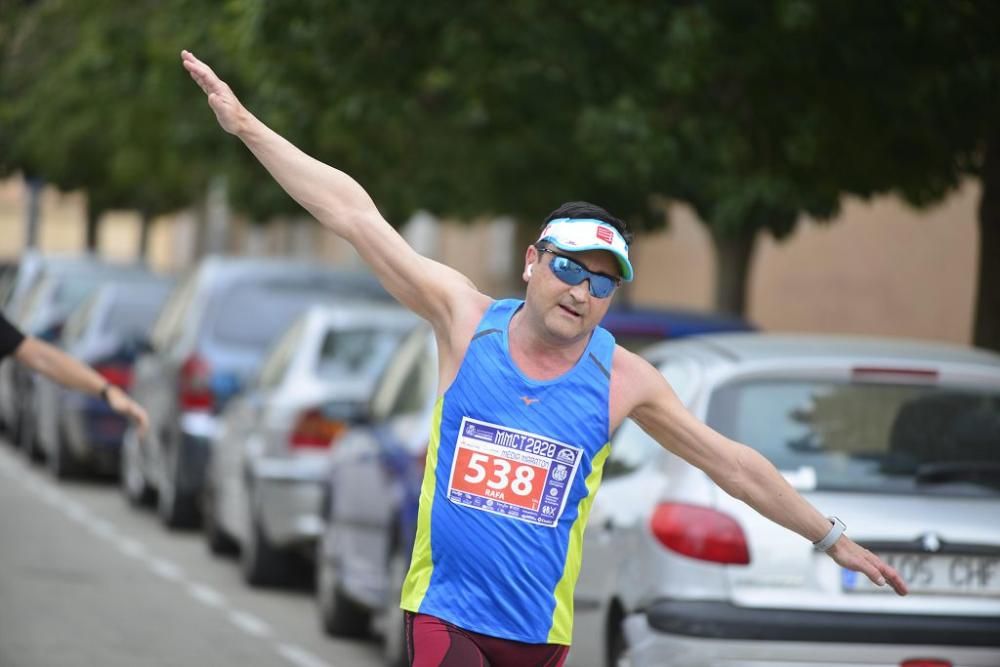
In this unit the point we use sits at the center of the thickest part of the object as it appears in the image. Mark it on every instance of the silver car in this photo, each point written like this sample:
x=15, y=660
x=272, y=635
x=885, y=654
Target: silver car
x=58, y=289
x=209, y=338
x=78, y=433
x=900, y=440
x=269, y=460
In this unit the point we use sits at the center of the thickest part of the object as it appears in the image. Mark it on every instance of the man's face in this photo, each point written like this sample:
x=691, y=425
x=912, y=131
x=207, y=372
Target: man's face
x=568, y=312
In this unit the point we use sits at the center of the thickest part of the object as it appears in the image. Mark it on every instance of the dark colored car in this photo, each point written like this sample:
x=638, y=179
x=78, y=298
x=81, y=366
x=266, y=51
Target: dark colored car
x=377, y=470
x=77, y=432
x=59, y=288
x=209, y=339
x=634, y=328
x=372, y=497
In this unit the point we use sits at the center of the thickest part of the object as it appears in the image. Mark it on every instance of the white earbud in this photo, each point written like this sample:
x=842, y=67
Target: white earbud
x=529, y=269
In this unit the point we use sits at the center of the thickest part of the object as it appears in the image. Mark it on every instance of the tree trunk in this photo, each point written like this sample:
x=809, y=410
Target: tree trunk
x=733, y=253
x=145, y=221
x=33, y=191
x=987, y=326
x=91, y=235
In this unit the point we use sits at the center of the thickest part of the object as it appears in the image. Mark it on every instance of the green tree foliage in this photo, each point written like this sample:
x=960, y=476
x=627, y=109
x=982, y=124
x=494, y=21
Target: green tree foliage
x=778, y=108
x=92, y=99
x=752, y=112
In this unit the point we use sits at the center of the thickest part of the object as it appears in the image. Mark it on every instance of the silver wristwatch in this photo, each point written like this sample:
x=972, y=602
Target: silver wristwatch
x=831, y=538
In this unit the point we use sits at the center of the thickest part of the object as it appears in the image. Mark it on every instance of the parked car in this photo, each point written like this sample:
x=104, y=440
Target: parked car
x=16, y=283
x=372, y=495
x=58, y=289
x=78, y=433
x=269, y=457
x=635, y=328
x=376, y=473
x=899, y=440
x=208, y=340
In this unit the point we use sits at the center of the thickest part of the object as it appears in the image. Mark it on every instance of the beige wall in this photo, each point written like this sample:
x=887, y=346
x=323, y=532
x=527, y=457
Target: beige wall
x=879, y=268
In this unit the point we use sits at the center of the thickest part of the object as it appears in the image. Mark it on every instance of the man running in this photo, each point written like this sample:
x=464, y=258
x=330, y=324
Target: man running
x=496, y=559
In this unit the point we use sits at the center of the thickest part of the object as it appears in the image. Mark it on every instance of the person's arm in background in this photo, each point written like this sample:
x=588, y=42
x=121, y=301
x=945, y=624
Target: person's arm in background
x=55, y=364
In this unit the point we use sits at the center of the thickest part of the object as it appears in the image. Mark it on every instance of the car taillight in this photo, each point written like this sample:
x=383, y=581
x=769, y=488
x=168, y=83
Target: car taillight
x=924, y=662
x=700, y=532
x=195, y=385
x=120, y=376
x=314, y=430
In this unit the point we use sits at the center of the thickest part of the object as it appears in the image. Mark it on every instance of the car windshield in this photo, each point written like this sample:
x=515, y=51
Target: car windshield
x=132, y=317
x=361, y=353
x=879, y=438
x=253, y=316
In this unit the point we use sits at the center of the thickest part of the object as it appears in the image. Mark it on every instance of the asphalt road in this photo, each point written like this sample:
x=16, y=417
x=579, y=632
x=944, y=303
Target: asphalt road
x=87, y=580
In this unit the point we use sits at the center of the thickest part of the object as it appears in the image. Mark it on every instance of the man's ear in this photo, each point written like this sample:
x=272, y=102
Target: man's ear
x=530, y=257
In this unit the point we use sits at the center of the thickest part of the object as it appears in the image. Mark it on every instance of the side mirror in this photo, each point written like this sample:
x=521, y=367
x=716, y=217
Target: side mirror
x=52, y=334
x=137, y=345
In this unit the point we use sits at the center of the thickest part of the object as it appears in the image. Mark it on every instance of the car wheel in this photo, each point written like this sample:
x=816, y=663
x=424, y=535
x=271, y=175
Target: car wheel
x=28, y=439
x=617, y=644
x=394, y=651
x=261, y=562
x=339, y=616
x=61, y=462
x=131, y=479
x=176, y=508
x=218, y=540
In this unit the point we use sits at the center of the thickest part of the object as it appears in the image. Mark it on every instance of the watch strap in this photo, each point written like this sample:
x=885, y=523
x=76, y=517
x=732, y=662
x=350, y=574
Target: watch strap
x=836, y=530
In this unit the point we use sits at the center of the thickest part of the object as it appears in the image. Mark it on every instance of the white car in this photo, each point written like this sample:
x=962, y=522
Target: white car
x=900, y=440
x=270, y=457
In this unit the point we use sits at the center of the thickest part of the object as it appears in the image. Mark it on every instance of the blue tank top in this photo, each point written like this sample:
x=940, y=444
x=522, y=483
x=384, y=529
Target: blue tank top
x=512, y=468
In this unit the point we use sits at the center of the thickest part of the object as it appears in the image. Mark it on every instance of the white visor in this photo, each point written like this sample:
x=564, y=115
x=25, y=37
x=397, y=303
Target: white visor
x=579, y=234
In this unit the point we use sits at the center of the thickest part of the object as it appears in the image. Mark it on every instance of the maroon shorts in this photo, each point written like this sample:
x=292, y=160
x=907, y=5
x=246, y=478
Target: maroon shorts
x=432, y=642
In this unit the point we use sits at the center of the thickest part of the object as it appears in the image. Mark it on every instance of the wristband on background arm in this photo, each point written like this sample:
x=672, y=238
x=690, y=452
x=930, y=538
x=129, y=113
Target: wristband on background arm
x=104, y=392
x=831, y=538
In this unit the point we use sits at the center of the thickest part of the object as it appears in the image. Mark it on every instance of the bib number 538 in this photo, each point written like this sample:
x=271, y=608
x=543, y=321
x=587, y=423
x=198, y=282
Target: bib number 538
x=498, y=478
x=496, y=472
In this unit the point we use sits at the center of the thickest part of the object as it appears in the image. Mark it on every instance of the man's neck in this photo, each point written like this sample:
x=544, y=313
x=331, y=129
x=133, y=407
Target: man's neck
x=537, y=353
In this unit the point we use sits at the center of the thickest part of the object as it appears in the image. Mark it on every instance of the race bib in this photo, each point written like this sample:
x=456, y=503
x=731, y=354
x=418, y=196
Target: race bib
x=514, y=473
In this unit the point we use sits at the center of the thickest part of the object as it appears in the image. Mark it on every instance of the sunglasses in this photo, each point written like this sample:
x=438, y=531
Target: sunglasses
x=572, y=272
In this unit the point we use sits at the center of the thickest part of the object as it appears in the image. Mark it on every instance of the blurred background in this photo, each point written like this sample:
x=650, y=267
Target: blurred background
x=810, y=166
x=801, y=166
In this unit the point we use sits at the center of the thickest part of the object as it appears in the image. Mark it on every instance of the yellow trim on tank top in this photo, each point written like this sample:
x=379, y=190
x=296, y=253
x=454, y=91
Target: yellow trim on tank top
x=418, y=579
x=561, y=630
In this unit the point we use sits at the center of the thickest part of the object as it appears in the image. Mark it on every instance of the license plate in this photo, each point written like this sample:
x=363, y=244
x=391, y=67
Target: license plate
x=935, y=574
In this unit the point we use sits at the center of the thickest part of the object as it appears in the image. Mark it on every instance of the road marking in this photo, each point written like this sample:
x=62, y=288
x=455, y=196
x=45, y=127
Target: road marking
x=165, y=569
x=75, y=511
x=130, y=547
x=205, y=595
x=249, y=623
x=299, y=656
x=51, y=497
x=101, y=528
x=105, y=529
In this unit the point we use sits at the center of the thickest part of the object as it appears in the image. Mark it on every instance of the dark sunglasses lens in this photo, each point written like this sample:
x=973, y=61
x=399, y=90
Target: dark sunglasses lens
x=572, y=273
x=601, y=286
x=568, y=271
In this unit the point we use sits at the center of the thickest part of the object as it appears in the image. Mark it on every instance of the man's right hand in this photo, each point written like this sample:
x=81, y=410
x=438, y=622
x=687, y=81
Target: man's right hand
x=228, y=110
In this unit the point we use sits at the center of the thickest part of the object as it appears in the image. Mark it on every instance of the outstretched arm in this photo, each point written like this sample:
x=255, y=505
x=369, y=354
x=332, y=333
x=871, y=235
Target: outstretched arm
x=55, y=364
x=739, y=470
x=429, y=288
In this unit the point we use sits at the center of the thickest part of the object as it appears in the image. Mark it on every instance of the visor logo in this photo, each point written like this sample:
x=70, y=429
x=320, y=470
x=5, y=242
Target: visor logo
x=605, y=234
